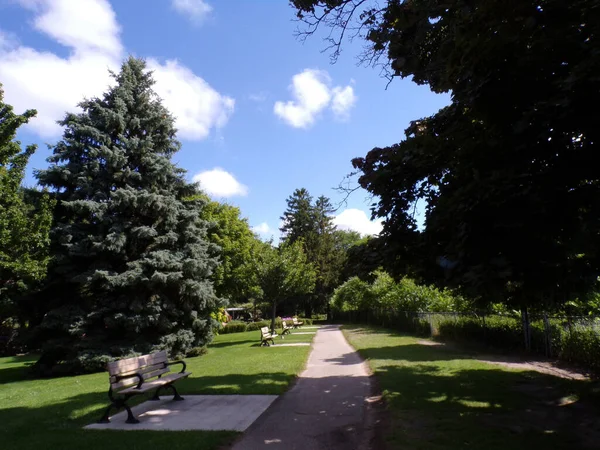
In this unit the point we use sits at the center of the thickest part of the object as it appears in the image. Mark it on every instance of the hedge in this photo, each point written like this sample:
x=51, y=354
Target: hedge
x=576, y=344
x=236, y=326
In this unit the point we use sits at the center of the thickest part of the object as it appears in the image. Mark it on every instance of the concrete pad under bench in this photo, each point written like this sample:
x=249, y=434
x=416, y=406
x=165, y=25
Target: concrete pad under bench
x=302, y=332
x=196, y=412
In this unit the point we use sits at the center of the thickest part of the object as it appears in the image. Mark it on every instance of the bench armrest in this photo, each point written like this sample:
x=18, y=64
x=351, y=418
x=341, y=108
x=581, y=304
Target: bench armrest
x=177, y=362
x=139, y=377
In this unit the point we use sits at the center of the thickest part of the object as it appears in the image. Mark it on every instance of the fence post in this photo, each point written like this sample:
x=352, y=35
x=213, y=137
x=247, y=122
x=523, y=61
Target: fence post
x=548, y=335
x=429, y=318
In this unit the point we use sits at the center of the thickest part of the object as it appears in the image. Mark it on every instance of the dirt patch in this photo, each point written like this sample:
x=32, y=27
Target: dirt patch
x=547, y=367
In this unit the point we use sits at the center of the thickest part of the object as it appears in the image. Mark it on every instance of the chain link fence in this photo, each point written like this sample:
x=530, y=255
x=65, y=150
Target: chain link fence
x=575, y=339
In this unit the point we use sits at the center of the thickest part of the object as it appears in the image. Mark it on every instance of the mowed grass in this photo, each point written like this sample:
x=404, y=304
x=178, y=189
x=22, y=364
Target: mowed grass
x=50, y=413
x=438, y=398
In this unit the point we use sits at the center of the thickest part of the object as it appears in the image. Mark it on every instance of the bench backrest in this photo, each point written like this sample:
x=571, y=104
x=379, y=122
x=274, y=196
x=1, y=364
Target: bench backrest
x=295, y=320
x=265, y=330
x=284, y=324
x=148, y=366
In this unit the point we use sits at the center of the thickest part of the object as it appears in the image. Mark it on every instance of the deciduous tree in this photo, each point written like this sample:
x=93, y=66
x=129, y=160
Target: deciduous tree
x=24, y=223
x=507, y=171
x=235, y=277
x=312, y=224
x=284, y=272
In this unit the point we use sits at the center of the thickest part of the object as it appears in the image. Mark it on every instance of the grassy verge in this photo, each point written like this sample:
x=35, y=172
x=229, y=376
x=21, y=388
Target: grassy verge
x=438, y=398
x=50, y=413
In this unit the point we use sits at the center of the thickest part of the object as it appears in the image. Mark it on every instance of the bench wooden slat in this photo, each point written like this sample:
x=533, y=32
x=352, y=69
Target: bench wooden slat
x=140, y=370
x=131, y=364
x=134, y=380
x=156, y=383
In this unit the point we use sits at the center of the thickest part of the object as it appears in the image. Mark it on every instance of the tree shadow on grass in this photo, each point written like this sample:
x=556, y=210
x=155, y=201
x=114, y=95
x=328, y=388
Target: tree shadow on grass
x=233, y=384
x=58, y=424
x=436, y=406
x=412, y=353
x=18, y=373
x=232, y=343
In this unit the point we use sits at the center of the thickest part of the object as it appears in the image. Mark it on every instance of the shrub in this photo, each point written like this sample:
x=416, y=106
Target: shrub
x=235, y=326
x=354, y=294
x=582, y=347
x=405, y=295
x=494, y=331
x=412, y=308
x=305, y=320
x=196, y=351
x=254, y=326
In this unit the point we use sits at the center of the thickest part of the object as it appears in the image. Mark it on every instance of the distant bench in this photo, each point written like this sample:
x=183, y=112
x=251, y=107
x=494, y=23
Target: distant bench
x=129, y=377
x=297, y=323
x=285, y=328
x=266, y=336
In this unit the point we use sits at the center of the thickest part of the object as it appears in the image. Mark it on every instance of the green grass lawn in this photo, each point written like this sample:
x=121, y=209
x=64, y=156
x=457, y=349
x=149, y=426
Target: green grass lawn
x=437, y=398
x=50, y=413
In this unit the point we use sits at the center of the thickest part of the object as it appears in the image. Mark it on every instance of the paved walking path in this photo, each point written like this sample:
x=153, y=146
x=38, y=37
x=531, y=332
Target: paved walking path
x=326, y=408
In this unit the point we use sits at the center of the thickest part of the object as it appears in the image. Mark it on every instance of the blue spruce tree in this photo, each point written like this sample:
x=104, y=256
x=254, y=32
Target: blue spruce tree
x=132, y=266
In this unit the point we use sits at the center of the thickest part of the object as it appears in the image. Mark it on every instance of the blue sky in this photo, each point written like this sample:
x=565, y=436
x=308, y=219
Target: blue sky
x=260, y=113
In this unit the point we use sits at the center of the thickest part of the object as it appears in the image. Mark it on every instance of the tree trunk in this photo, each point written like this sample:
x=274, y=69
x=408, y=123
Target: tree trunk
x=526, y=328
x=308, y=308
x=273, y=312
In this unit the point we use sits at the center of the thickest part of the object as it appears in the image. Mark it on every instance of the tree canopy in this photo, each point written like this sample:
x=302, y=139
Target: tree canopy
x=284, y=272
x=311, y=223
x=132, y=267
x=24, y=225
x=235, y=277
x=507, y=170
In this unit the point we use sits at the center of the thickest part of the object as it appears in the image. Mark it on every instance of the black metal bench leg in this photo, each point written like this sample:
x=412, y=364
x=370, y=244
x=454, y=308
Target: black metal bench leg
x=156, y=397
x=176, y=395
x=106, y=417
x=130, y=417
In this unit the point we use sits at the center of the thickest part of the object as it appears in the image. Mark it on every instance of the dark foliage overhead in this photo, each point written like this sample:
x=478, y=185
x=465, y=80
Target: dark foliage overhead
x=508, y=171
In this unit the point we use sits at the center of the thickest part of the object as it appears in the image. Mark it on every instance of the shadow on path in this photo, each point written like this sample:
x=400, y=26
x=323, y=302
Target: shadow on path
x=326, y=408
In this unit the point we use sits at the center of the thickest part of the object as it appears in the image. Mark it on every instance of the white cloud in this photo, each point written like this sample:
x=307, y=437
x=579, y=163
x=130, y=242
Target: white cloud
x=220, y=183
x=196, y=105
x=53, y=84
x=84, y=25
x=312, y=93
x=311, y=96
x=357, y=220
x=343, y=100
x=196, y=10
x=262, y=228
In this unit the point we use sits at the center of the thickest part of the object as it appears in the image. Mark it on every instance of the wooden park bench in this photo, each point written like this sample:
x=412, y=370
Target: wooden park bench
x=266, y=336
x=297, y=323
x=285, y=328
x=135, y=376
